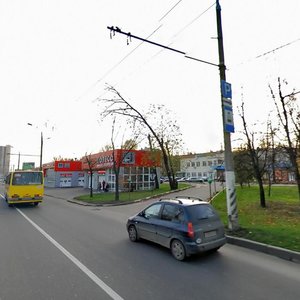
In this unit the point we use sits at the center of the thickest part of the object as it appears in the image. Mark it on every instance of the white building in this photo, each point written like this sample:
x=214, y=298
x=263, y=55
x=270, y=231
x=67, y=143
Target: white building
x=4, y=160
x=203, y=165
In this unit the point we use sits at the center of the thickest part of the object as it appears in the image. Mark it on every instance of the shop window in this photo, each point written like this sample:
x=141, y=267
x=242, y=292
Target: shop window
x=133, y=170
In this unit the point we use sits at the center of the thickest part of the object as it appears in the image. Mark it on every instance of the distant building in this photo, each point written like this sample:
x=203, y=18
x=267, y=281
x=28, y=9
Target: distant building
x=137, y=169
x=4, y=160
x=63, y=173
x=202, y=165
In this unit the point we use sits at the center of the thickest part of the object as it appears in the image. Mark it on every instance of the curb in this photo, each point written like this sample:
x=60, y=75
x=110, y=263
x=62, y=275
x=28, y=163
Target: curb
x=289, y=255
x=74, y=200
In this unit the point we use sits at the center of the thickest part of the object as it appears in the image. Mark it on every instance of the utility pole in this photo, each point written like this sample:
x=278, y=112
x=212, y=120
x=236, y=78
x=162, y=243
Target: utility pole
x=227, y=117
x=231, y=200
x=19, y=157
x=41, y=153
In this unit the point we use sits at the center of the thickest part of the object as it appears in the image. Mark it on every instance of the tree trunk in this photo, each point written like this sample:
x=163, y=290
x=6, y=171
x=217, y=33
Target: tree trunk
x=91, y=185
x=261, y=193
x=117, y=192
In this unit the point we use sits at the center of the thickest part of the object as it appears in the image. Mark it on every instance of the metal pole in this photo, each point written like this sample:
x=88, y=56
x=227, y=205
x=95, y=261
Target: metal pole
x=19, y=155
x=229, y=169
x=41, y=154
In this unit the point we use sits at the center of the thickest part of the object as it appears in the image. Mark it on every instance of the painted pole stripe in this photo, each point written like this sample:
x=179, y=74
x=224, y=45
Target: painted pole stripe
x=81, y=266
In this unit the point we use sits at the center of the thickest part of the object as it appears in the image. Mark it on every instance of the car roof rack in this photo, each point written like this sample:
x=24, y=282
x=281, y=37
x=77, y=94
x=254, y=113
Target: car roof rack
x=180, y=199
x=171, y=200
x=190, y=198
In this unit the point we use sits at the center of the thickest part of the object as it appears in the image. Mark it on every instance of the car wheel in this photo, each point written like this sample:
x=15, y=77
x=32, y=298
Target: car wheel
x=178, y=250
x=132, y=233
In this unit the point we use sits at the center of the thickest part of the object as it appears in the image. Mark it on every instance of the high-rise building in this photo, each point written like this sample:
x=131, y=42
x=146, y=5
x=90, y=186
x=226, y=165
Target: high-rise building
x=4, y=160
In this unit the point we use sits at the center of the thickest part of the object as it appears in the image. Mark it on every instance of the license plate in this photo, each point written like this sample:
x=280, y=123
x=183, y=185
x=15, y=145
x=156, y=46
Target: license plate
x=210, y=233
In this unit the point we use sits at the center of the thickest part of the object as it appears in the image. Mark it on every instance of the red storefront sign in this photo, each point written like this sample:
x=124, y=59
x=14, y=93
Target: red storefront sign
x=66, y=175
x=123, y=158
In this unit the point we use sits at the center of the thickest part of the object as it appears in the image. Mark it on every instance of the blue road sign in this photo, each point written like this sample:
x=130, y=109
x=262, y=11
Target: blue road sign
x=226, y=89
x=229, y=126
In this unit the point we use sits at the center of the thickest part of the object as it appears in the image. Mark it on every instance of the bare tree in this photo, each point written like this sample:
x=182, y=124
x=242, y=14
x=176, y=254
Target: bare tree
x=91, y=162
x=126, y=147
x=288, y=114
x=258, y=155
x=117, y=105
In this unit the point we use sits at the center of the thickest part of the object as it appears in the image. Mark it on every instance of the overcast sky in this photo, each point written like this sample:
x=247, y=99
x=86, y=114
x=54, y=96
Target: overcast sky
x=56, y=57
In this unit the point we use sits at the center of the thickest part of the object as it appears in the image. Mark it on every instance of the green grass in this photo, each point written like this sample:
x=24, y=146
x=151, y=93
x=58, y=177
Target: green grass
x=102, y=198
x=278, y=224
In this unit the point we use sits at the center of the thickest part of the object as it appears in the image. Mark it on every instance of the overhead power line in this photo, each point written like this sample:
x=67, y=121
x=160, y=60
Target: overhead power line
x=169, y=10
x=127, y=55
x=278, y=48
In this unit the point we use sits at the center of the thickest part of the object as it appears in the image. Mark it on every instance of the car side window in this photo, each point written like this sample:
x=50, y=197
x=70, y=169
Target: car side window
x=153, y=211
x=172, y=213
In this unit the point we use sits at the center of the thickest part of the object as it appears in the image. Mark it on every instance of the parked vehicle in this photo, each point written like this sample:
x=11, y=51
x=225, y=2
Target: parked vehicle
x=186, y=225
x=182, y=179
x=194, y=179
x=204, y=178
x=164, y=179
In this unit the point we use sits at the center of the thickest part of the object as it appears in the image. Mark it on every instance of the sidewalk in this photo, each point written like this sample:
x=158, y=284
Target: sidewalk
x=65, y=193
x=68, y=194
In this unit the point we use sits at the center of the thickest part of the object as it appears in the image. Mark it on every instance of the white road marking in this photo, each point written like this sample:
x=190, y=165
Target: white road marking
x=81, y=266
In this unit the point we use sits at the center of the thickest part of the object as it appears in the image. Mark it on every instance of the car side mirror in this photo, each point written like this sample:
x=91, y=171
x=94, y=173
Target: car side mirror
x=142, y=214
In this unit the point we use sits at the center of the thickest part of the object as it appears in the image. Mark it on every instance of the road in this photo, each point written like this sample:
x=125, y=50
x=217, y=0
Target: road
x=60, y=250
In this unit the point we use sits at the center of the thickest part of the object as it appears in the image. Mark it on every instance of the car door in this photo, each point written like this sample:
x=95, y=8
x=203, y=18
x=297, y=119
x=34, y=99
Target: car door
x=169, y=223
x=147, y=222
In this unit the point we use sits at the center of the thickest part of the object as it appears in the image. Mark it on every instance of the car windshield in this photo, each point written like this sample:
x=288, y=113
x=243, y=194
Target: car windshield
x=201, y=212
x=27, y=178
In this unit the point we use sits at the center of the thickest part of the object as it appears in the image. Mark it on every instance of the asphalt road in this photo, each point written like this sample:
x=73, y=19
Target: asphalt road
x=60, y=250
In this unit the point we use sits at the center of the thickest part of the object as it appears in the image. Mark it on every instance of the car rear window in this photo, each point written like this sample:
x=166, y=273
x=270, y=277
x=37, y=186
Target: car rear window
x=201, y=212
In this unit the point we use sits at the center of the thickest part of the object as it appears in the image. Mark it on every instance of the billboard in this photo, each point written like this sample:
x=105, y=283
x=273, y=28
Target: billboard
x=28, y=166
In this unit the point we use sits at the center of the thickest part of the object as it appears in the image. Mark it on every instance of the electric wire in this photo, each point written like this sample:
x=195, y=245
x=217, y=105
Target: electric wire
x=169, y=11
x=262, y=55
x=277, y=48
x=175, y=35
x=115, y=66
x=127, y=55
x=155, y=55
